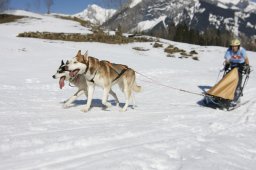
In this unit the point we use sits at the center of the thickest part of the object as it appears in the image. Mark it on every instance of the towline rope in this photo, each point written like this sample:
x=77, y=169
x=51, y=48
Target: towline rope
x=170, y=87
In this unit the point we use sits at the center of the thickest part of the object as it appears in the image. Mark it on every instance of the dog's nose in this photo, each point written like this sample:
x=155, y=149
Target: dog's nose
x=53, y=76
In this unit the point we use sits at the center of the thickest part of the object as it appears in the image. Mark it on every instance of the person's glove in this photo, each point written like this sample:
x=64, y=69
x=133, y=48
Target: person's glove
x=227, y=66
x=246, y=69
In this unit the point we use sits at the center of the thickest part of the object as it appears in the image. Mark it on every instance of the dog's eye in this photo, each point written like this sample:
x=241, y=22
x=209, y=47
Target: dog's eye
x=75, y=62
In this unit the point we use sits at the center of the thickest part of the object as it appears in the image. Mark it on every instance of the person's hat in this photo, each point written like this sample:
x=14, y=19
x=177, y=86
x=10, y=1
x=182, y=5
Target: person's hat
x=235, y=42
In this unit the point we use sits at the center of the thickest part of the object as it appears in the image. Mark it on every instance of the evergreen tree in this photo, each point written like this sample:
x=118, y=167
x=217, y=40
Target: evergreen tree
x=119, y=31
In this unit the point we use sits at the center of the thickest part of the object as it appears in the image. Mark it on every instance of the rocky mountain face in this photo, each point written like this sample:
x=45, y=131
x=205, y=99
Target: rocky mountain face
x=236, y=16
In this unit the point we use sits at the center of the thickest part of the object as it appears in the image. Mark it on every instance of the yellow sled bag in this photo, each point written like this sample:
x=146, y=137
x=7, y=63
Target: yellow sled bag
x=226, y=87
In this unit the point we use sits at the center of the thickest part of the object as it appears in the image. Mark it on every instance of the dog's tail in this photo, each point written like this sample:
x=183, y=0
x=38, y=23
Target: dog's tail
x=136, y=88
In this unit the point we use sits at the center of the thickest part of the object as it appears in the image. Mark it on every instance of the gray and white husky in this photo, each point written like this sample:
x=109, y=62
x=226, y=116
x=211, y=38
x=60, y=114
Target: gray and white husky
x=78, y=81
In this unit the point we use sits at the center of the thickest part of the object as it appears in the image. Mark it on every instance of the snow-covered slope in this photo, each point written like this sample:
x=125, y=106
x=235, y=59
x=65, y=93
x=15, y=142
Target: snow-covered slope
x=133, y=3
x=95, y=14
x=37, y=22
x=167, y=130
x=251, y=7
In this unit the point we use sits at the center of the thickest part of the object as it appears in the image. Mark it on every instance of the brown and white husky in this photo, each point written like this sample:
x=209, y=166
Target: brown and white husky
x=105, y=75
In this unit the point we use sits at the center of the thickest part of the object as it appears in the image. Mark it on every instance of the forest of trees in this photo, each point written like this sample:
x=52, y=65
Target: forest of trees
x=183, y=33
x=211, y=36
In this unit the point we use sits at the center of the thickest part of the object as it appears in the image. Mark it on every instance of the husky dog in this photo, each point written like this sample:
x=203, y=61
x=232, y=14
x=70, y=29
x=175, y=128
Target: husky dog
x=105, y=75
x=78, y=81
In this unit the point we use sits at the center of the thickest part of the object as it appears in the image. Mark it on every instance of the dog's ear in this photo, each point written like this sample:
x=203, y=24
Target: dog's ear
x=62, y=62
x=67, y=62
x=79, y=52
x=85, y=57
x=86, y=53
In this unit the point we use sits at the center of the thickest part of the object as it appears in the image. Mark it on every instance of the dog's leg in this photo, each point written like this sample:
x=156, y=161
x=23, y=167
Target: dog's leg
x=114, y=95
x=133, y=101
x=127, y=93
x=86, y=92
x=105, y=97
x=73, y=98
x=91, y=87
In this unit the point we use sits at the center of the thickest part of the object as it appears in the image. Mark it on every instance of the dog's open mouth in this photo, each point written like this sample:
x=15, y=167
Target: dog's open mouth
x=62, y=82
x=74, y=72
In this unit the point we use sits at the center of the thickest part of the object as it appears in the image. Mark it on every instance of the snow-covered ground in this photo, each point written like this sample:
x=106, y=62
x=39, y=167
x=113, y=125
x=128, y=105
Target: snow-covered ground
x=167, y=130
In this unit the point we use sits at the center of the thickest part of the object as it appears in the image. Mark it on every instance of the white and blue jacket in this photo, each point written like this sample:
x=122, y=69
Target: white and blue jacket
x=236, y=57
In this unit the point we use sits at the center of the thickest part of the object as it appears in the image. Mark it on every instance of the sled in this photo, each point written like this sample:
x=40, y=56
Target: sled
x=226, y=94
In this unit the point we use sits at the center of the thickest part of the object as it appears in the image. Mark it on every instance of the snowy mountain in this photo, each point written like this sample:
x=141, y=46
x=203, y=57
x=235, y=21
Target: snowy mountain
x=167, y=130
x=237, y=16
x=251, y=7
x=133, y=3
x=95, y=14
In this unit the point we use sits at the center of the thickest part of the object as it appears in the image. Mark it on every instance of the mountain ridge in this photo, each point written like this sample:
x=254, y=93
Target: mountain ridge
x=95, y=14
x=188, y=12
x=200, y=16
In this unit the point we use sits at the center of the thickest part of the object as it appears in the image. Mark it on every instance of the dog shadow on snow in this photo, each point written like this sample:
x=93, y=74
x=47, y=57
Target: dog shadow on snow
x=95, y=103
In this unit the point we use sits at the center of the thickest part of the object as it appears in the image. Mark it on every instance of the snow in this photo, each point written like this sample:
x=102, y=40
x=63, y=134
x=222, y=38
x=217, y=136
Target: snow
x=134, y=3
x=231, y=1
x=167, y=130
x=248, y=24
x=222, y=6
x=251, y=7
x=235, y=2
x=148, y=24
x=215, y=20
x=37, y=22
x=95, y=14
x=236, y=25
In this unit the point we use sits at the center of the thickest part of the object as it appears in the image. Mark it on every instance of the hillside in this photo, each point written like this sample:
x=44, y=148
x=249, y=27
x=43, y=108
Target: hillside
x=168, y=130
x=206, y=22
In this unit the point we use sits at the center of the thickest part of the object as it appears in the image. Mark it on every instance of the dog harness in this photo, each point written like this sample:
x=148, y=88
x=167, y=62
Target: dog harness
x=119, y=74
x=112, y=66
x=87, y=68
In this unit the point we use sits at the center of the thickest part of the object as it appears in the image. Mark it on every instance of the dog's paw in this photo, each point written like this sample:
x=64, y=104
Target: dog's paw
x=85, y=110
x=66, y=106
x=122, y=110
x=108, y=104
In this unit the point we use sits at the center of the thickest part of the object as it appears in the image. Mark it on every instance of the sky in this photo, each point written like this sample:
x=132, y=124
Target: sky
x=59, y=6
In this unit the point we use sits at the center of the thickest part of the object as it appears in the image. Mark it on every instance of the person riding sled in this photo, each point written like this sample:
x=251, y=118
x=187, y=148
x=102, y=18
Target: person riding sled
x=236, y=57
x=226, y=93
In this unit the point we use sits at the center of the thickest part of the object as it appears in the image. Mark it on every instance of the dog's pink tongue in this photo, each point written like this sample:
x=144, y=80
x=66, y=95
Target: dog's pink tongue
x=61, y=82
